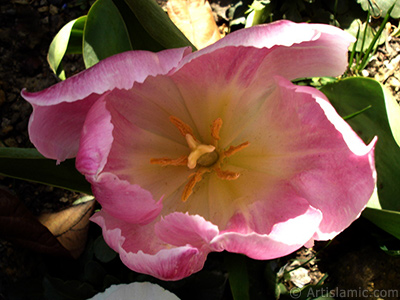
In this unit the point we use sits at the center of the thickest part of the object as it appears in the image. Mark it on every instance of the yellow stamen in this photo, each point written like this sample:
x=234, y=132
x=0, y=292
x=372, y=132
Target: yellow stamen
x=164, y=161
x=215, y=129
x=194, y=178
x=226, y=175
x=233, y=149
x=183, y=128
x=197, y=150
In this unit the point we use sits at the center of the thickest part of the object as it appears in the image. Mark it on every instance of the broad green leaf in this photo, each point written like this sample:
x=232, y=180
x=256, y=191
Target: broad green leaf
x=139, y=37
x=29, y=164
x=260, y=11
x=393, y=112
x=381, y=7
x=238, y=276
x=382, y=120
x=67, y=41
x=105, y=33
x=75, y=45
x=387, y=220
x=156, y=22
x=354, y=94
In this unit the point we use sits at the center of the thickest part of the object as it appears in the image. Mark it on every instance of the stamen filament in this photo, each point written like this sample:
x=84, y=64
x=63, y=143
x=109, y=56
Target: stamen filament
x=233, y=149
x=164, y=161
x=183, y=128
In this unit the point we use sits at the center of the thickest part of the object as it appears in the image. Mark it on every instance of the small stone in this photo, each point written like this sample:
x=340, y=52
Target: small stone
x=7, y=129
x=45, y=20
x=43, y=9
x=53, y=10
x=10, y=142
x=365, y=73
x=300, y=277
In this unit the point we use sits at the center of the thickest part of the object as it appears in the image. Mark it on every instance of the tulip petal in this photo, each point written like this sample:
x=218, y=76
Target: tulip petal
x=303, y=50
x=232, y=78
x=82, y=90
x=284, y=238
x=298, y=138
x=130, y=138
x=128, y=202
x=117, y=196
x=142, y=251
x=278, y=33
x=180, y=229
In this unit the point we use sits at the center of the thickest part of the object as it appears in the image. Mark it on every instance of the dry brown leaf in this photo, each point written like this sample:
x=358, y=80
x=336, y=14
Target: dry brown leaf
x=70, y=226
x=195, y=19
x=19, y=226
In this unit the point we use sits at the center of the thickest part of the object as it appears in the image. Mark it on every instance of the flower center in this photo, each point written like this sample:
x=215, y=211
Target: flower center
x=207, y=158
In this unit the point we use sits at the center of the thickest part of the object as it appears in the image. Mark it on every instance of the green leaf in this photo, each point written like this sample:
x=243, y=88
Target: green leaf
x=67, y=41
x=157, y=24
x=382, y=120
x=260, y=10
x=387, y=220
x=105, y=33
x=139, y=37
x=29, y=164
x=365, y=37
x=102, y=251
x=238, y=276
x=390, y=252
x=379, y=8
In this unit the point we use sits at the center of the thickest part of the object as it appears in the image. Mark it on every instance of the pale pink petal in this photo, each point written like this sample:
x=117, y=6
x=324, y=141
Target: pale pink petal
x=118, y=197
x=121, y=137
x=181, y=229
x=119, y=71
x=303, y=50
x=142, y=251
x=96, y=139
x=284, y=238
x=278, y=33
x=55, y=130
x=123, y=200
x=298, y=138
x=245, y=70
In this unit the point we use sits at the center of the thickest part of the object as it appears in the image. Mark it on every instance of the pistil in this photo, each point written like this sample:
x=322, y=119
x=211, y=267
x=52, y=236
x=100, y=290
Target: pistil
x=197, y=151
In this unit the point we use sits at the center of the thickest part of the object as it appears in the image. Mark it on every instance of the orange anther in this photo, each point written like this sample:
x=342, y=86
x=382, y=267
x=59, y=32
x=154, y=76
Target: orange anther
x=215, y=129
x=194, y=179
x=226, y=175
x=164, y=161
x=182, y=126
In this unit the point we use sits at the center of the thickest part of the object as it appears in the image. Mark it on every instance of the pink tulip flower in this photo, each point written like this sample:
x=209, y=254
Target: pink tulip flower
x=215, y=150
